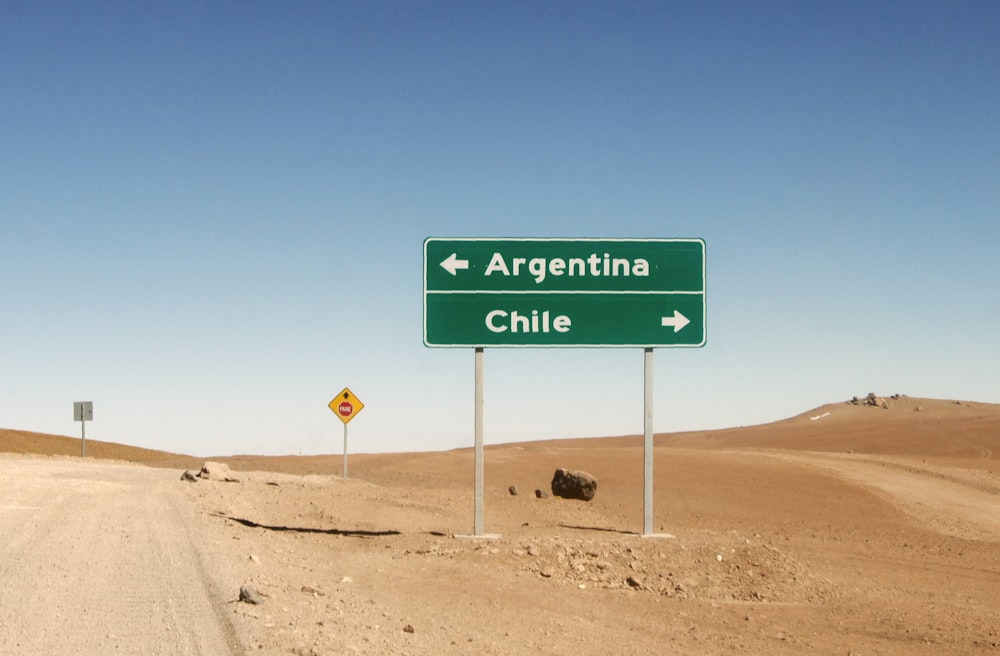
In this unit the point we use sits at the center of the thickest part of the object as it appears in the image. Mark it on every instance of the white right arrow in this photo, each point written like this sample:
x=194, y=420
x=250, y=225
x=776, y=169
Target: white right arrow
x=678, y=321
x=452, y=264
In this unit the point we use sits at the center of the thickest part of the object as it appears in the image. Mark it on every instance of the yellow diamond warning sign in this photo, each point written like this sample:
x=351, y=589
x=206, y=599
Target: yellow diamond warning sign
x=345, y=405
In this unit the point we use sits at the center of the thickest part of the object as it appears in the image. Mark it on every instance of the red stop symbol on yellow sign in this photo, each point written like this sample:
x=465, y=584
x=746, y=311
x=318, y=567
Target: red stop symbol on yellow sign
x=346, y=406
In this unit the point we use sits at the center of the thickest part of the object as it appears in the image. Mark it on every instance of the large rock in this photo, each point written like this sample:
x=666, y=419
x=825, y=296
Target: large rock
x=574, y=485
x=217, y=471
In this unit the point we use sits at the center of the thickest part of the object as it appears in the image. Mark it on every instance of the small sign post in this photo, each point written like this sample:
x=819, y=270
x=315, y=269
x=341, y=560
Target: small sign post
x=346, y=406
x=83, y=411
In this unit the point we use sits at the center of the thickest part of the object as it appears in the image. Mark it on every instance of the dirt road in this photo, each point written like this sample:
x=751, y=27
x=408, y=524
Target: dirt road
x=952, y=501
x=99, y=558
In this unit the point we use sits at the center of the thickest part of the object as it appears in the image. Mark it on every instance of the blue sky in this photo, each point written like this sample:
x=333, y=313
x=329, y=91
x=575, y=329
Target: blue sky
x=213, y=213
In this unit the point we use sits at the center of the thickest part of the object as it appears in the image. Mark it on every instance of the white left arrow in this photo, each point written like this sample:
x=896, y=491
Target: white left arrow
x=678, y=321
x=452, y=264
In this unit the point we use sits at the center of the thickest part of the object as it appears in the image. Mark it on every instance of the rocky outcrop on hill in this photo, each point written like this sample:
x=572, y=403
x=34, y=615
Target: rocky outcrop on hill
x=874, y=401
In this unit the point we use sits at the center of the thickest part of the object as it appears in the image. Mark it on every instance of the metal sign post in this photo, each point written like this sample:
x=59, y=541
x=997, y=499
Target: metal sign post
x=83, y=411
x=345, y=450
x=480, y=477
x=642, y=293
x=647, y=429
x=346, y=406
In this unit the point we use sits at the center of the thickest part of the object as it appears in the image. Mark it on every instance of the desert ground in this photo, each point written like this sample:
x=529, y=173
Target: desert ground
x=850, y=529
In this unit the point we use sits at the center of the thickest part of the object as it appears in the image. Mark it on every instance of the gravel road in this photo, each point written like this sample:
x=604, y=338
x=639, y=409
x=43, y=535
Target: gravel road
x=103, y=558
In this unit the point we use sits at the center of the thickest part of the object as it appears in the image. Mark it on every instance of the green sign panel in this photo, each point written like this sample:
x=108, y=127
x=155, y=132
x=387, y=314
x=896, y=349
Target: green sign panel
x=564, y=292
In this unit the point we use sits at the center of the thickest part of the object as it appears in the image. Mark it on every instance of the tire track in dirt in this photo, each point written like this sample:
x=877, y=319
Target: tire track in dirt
x=945, y=501
x=97, y=558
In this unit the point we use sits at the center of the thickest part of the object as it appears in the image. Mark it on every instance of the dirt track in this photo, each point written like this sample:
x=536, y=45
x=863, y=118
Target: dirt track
x=953, y=502
x=99, y=559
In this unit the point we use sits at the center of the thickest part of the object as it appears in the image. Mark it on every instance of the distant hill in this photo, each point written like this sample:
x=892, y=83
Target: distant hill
x=16, y=441
x=901, y=426
x=897, y=425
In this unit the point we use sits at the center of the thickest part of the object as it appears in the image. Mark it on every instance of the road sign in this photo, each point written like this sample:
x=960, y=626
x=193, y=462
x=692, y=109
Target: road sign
x=564, y=292
x=83, y=411
x=346, y=406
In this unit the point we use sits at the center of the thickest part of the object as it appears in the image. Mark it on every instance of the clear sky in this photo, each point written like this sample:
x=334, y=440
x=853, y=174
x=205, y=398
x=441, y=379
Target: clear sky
x=213, y=213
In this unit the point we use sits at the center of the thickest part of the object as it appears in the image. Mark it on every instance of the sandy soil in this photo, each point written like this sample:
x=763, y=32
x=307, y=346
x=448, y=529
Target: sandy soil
x=864, y=531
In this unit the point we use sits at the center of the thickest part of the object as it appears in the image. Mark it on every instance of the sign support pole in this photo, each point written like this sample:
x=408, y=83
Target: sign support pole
x=345, y=451
x=83, y=438
x=478, y=528
x=648, y=444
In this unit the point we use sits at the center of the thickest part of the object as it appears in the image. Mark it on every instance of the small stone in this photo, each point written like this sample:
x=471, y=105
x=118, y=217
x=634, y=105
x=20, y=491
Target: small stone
x=189, y=476
x=409, y=629
x=513, y=490
x=541, y=494
x=250, y=596
x=634, y=582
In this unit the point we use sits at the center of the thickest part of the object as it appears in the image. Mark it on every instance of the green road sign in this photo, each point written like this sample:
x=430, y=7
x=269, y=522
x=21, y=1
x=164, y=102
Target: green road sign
x=564, y=292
